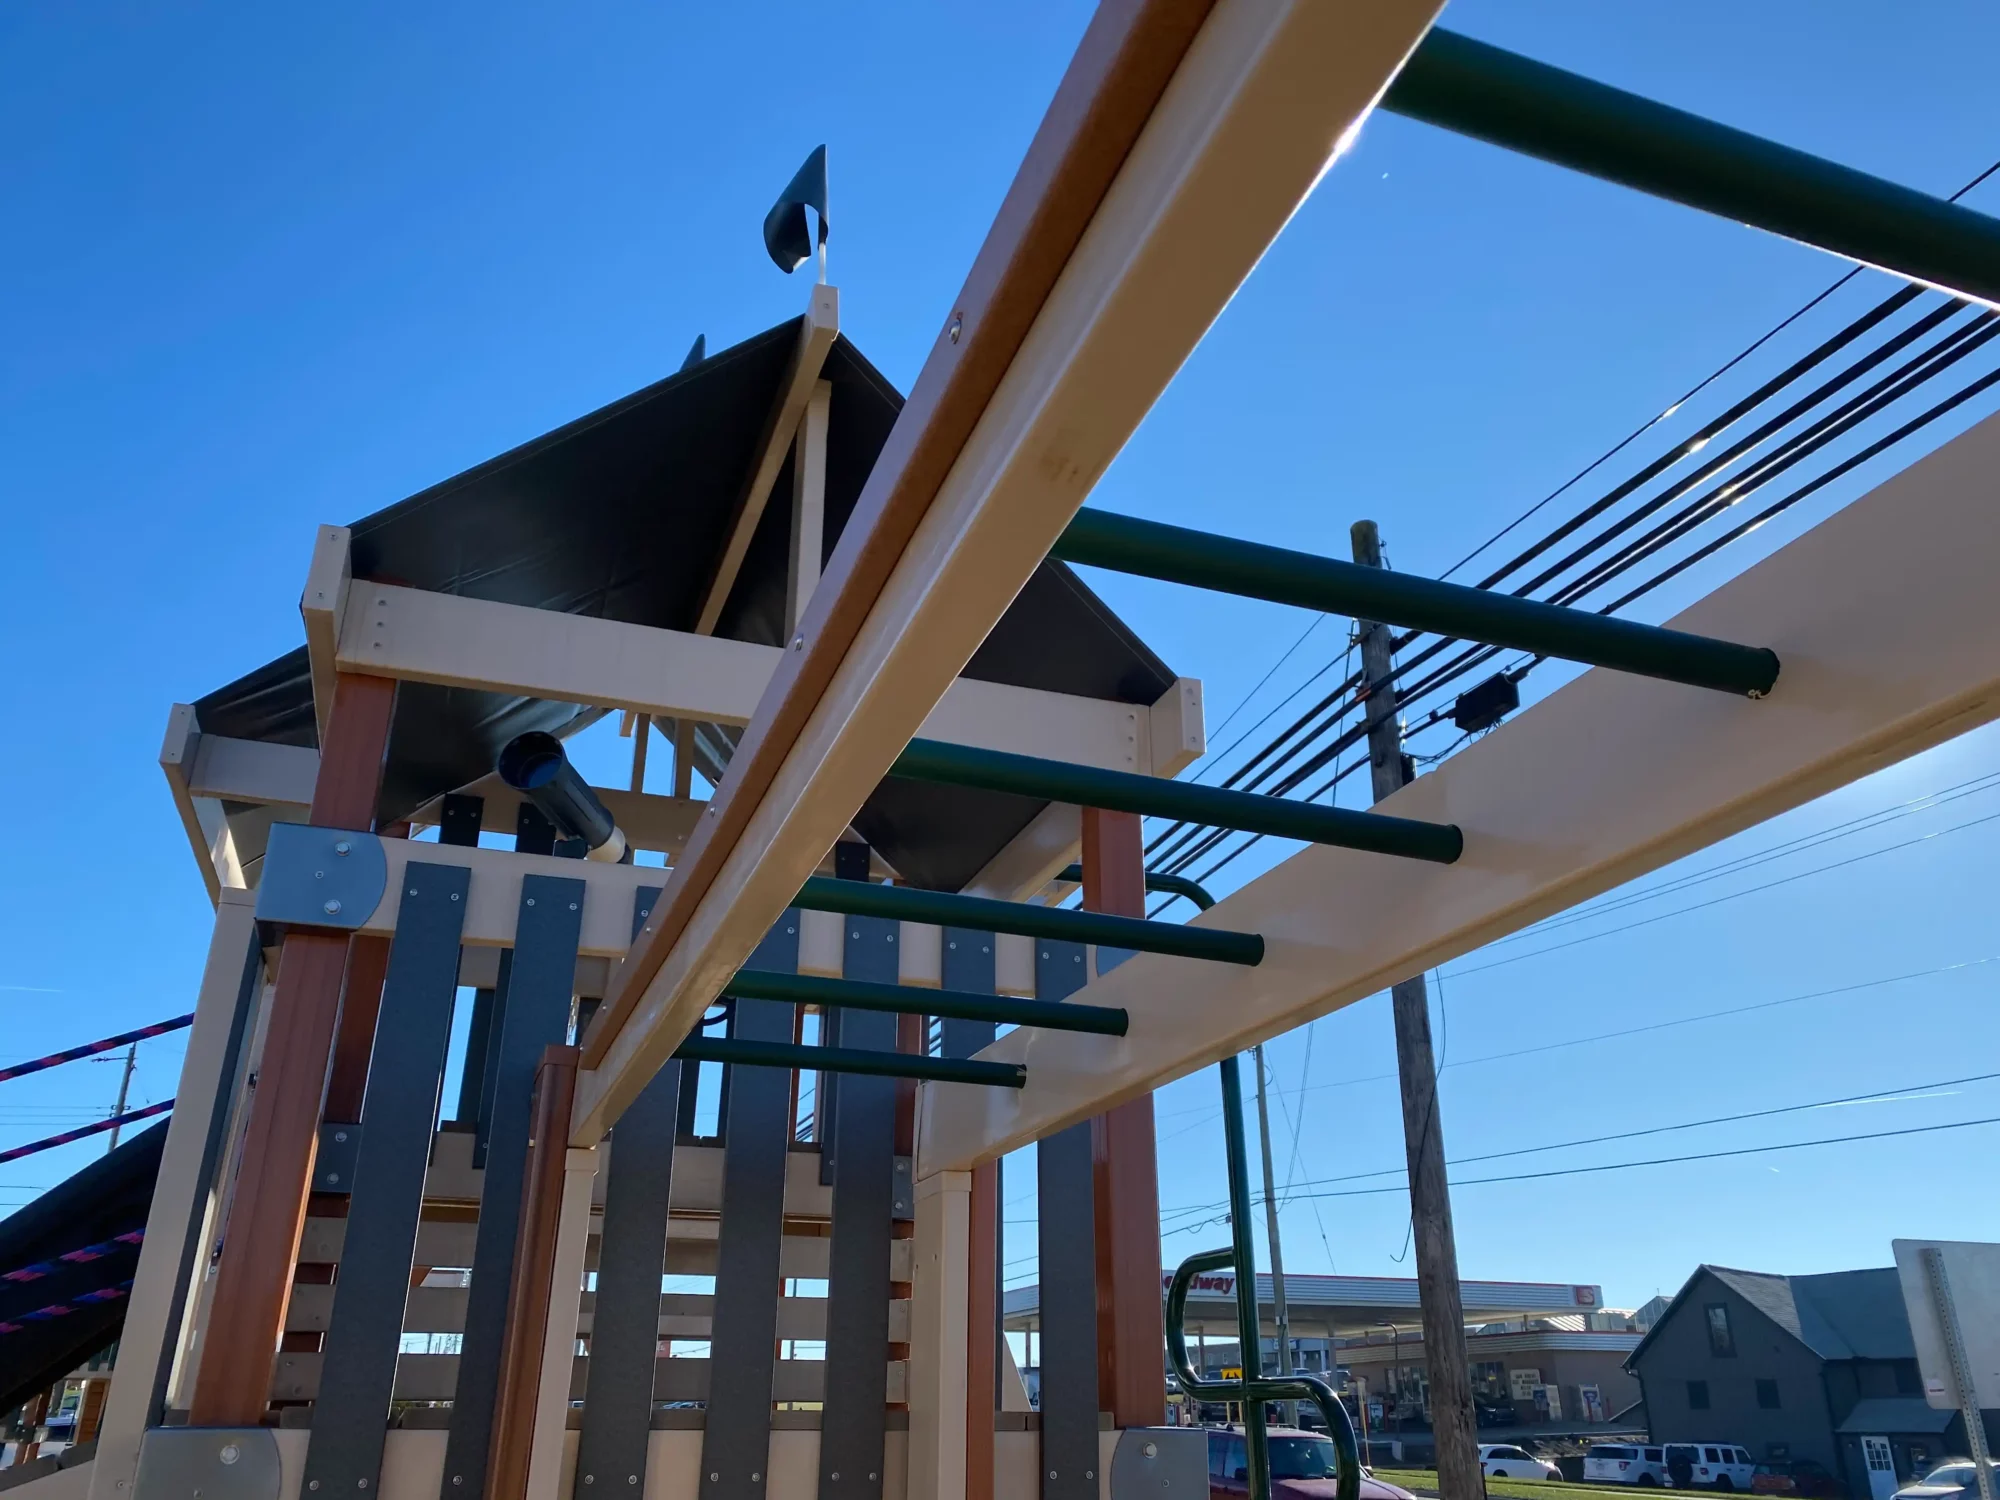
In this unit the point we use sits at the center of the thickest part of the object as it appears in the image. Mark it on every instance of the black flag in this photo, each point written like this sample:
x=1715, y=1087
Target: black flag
x=786, y=236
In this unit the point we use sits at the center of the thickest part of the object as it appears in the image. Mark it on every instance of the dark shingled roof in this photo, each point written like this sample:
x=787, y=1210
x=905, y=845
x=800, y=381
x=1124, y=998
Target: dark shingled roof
x=621, y=515
x=1837, y=1314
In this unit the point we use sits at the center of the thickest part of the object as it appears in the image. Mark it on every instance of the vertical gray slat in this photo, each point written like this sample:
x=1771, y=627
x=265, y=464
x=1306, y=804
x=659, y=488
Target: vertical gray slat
x=969, y=966
x=236, y=1060
x=1066, y=1229
x=405, y=1077
x=857, y=1311
x=826, y=1097
x=496, y=1026
x=625, y=1328
x=743, y=1337
x=533, y=1014
x=472, y=1082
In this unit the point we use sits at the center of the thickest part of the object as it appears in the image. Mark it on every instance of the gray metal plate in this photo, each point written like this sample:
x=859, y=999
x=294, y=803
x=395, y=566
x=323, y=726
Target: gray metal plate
x=321, y=877
x=208, y=1463
x=1160, y=1463
x=1067, y=1264
x=333, y=1163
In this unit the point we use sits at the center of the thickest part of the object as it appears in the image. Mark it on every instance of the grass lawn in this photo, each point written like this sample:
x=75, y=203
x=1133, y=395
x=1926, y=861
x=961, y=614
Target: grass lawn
x=1425, y=1482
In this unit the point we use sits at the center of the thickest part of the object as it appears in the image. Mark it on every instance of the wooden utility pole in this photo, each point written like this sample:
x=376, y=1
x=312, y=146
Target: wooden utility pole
x=1452, y=1422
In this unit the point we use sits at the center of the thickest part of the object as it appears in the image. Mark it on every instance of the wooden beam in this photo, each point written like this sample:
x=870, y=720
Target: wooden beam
x=1173, y=154
x=1125, y=1173
x=817, y=331
x=267, y=1213
x=416, y=636
x=178, y=753
x=321, y=607
x=808, y=544
x=1882, y=617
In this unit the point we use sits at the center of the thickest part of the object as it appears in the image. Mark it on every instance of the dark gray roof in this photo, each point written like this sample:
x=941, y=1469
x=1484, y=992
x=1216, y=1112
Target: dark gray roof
x=621, y=514
x=1837, y=1314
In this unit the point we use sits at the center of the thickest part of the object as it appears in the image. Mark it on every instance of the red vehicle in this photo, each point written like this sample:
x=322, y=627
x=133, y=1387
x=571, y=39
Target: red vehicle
x=1302, y=1467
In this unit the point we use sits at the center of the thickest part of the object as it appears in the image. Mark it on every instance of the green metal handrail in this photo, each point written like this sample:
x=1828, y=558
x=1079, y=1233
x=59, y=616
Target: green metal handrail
x=862, y=898
x=1159, y=884
x=1252, y=1390
x=755, y=1054
x=1228, y=565
x=1187, y=801
x=1515, y=102
x=959, y=1005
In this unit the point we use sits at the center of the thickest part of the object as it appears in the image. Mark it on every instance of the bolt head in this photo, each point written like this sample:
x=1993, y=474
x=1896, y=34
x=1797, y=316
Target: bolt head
x=230, y=1453
x=957, y=328
x=332, y=908
x=342, y=847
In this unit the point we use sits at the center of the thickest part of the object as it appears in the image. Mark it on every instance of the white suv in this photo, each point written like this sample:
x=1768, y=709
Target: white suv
x=1714, y=1466
x=1502, y=1461
x=1625, y=1463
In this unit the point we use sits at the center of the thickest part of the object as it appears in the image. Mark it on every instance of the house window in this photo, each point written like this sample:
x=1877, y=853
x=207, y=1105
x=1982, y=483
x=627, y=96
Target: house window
x=1697, y=1395
x=1767, y=1394
x=1721, y=1343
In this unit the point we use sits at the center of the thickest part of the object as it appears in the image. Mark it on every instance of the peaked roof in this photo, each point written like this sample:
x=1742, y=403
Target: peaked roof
x=621, y=515
x=1836, y=1314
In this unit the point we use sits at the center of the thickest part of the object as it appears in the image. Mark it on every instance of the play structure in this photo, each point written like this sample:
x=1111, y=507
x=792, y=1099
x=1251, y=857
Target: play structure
x=778, y=1038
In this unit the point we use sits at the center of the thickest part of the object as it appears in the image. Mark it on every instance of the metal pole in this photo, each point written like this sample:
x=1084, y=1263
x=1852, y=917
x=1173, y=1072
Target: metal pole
x=1177, y=554
x=1452, y=1420
x=1155, y=797
x=1249, y=1335
x=1514, y=102
x=1964, y=1391
x=1284, y=1317
x=125, y=1088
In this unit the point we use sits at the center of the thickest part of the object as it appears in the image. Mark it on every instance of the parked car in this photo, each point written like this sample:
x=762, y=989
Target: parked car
x=1503, y=1461
x=1625, y=1463
x=1302, y=1467
x=1804, y=1477
x=1954, y=1479
x=1709, y=1466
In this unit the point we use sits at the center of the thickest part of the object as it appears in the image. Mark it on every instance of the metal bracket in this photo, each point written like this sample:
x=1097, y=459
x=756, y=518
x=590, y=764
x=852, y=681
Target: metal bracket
x=1170, y=1462
x=333, y=1164
x=321, y=877
x=208, y=1463
x=903, y=1194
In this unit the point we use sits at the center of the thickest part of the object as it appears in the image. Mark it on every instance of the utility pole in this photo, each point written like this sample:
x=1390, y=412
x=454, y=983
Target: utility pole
x=1452, y=1422
x=1290, y=1408
x=124, y=1090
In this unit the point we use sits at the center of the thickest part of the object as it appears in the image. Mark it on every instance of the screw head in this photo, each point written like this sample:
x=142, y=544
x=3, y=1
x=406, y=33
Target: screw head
x=531, y=901
x=1151, y=1450
x=454, y=895
x=230, y=1453
x=798, y=643
x=331, y=1177
x=332, y=908
x=342, y=847
x=590, y=1479
x=313, y=1485
x=631, y=1478
x=952, y=333
x=572, y=906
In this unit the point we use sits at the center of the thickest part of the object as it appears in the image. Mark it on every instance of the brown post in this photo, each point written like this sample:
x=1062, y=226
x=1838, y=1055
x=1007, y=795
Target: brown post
x=90, y=1410
x=1131, y=1330
x=982, y=1351
x=534, y=1271
x=1454, y=1423
x=360, y=1007
x=267, y=1215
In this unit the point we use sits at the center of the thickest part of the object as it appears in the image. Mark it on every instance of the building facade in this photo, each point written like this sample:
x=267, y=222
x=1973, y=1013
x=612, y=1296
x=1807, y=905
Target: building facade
x=1818, y=1369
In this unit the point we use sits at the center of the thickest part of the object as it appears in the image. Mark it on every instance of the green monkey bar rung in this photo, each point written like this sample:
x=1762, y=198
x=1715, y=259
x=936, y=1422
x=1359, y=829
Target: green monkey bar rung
x=753, y=1054
x=1156, y=797
x=1507, y=100
x=960, y=1005
x=1176, y=554
x=861, y=898
x=1159, y=884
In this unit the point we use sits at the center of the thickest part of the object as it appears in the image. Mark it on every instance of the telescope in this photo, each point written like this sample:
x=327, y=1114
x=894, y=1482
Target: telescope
x=536, y=765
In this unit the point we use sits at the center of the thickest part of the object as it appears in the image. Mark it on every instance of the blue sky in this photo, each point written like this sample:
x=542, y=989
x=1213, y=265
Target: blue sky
x=265, y=270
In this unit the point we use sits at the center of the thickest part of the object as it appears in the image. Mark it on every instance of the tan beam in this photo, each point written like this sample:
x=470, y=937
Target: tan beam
x=321, y=607
x=417, y=636
x=1882, y=617
x=817, y=331
x=1180, y=142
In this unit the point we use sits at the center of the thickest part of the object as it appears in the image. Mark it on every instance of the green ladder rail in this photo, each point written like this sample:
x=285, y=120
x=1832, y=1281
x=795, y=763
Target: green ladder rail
x=861, y=898
x=1228, y=565
x=1159, y=884
x=959, y=1005
x=1252, y=1390
x=1186, y=801
x=850, y=1060
x=1514, y=102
